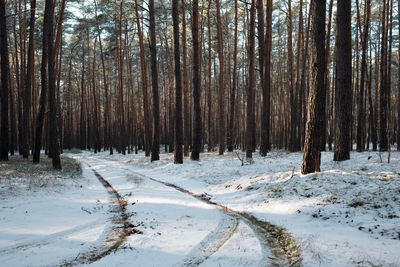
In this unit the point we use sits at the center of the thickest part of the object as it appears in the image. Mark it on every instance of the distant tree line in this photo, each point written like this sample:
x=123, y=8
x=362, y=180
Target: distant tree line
x=193, y=76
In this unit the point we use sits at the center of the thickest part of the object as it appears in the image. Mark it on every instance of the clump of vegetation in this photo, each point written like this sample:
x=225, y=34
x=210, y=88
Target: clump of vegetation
x=19, y=173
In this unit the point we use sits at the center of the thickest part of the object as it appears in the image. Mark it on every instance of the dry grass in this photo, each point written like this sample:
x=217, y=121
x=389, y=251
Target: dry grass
x=19, y=174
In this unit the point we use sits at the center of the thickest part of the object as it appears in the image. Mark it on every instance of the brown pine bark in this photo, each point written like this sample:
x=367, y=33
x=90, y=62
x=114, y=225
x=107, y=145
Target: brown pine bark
x=147, y=128
x=155, y=150
x=361, y=113
x=28, y=83
x=343, y=82
x=186, y=113
x=316, y=102
x=230, y=133
x=210, y=144
x=43, y=93
x=54, y=138
x=5, y=70
x=221, y=85
x=178, y=137
x=197, y=131
x=266, y=104
x=250, y=89
x=398, y=87
x=107, y=109
x=292, y=97
x=383, y=96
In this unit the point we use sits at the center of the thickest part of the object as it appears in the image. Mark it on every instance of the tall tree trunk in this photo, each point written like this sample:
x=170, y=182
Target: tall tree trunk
x=266, y=90
x=210, y=144
x=250, y=89
x=327, y=121
x=155, y=150
x=43, y=93
x=5, y=70
x=147, y=125
x=28, y=82
x=398, y=85
x=186, y=113
x=303, y=82
x=383, y=140
x=230, y=133
x=221, y=85
x=54, y=139
x=343, y=82
x=316, y=102
x=107, y=109
x=292, y=98
x=361, y=112
x=178, y=155
x=197, y=132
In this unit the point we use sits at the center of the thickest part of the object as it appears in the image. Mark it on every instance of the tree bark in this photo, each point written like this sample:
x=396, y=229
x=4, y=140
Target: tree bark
x=266, y=90
x=250, y=89
x=186, y=113
x=197, y=131
x=54, y=139
x=178, y=153
x=155, y=150
x=5, y=70
x=230, y=133
x=343, y=82
x=147, y=135
x=361, y=112
x=292, y=98
x=221, y=85
x=383, y=97
x=316, y=102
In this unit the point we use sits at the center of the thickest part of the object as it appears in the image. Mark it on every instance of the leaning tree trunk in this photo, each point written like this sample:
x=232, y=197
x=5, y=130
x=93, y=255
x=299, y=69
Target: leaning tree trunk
x=343, y=82
x=316, y=101
x=5, y=70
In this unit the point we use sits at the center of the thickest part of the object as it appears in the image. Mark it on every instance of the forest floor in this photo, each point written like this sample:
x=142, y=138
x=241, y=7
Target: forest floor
x=125, y=211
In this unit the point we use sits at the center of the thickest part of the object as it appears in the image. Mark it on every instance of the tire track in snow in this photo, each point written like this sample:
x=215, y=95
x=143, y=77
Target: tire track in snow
x=278, y=246
x=212, y=242
x=37, y=242
x=225, y=229
x=119, y=232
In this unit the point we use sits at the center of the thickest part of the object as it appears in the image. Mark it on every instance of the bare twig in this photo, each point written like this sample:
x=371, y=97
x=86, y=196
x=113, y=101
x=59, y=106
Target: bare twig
x=240, y=158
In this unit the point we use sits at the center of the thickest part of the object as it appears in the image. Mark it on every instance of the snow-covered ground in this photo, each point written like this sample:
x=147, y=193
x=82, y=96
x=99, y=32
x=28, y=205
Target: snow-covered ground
x=346, y=215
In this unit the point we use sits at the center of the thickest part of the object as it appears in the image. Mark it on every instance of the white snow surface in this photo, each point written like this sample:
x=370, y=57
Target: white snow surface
x=346, y=215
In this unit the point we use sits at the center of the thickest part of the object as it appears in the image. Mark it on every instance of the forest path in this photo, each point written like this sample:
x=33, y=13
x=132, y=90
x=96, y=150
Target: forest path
x=121, y=229
x=278, y=247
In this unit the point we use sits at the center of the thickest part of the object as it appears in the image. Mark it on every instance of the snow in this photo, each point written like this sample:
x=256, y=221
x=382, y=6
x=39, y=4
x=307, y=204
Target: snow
x=346, y=215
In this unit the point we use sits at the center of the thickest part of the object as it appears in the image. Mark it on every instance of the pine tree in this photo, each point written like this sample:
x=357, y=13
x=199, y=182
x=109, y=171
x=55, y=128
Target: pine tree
x=316, y=101
x=155, y=150
x=5, y=70
x=343, y=99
